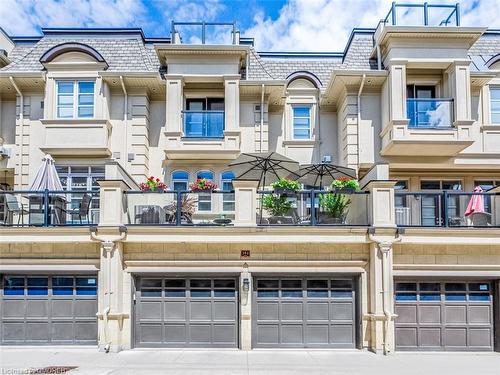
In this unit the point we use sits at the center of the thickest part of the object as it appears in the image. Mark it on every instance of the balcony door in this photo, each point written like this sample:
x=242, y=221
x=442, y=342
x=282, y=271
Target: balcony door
x=420, y=105
x=433, y=206
x=204, y=118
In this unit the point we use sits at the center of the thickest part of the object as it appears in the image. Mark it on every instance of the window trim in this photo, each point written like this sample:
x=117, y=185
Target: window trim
x=309, y=107
x=174, y=180
x=75, y=94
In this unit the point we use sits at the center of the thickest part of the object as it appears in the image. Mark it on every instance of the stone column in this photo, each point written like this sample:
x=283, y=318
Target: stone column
x=175, y=98
x=112, y=207
x=246, y=309
x=381, y=208
x=245, y=196
x=397, y=92
x=232, y=103
x=460, y=90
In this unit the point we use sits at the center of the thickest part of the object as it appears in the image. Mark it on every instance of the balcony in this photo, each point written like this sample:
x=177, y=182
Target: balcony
x=77, y=137
x=429, y=131
x=447, y=209
x=203, y=124
x=49, y=208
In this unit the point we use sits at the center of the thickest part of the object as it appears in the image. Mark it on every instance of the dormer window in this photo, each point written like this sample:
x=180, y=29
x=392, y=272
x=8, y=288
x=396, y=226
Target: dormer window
x=75, y=99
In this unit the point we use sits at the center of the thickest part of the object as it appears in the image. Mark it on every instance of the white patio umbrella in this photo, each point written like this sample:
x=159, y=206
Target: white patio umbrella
x=47, y=177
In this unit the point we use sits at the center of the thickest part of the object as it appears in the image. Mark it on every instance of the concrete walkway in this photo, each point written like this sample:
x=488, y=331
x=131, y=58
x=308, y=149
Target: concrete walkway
x=220, y=362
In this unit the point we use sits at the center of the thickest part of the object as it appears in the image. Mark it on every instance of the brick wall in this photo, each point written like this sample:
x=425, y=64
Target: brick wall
x=446, y=254
x=50, y=251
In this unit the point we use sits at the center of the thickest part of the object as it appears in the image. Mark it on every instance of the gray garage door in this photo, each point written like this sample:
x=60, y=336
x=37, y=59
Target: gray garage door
x=444, y=315
x=186, y=312
x=48, y=310
x=303, y=312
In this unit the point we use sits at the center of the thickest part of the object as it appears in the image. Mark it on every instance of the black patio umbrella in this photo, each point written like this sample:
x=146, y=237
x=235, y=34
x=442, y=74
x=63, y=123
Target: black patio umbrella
x=323, y=173
x=265, y=167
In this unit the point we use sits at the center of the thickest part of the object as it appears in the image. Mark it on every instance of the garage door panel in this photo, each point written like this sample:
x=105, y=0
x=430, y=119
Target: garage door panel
x=430, y=314
x=292, y=334
x=85, y=308
x=304, y=312
x=62, y=331
x=37, y=308
x=62, y=308
x=480, y=314
x=430, y=337
x=13, y=331
x=456, y=314
x=174, y=310
x=187, y=312
x=37, y=331
x=13, y=308
x=444, y=315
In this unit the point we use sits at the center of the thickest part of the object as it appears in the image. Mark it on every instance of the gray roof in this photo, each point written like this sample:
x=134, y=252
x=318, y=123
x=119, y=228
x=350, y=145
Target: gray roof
x=484, y=49
x=121, y=54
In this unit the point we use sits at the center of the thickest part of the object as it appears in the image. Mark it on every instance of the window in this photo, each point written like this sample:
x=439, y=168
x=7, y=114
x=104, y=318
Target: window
x=301, y=123
x=180, y=180
x=432, y=205
x=403, y=216
x=205, y=199
x=227, y=185
x=495, y=104
x=75, y=99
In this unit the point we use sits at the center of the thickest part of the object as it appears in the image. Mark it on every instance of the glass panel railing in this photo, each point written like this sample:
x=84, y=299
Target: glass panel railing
x=430, y=113
x=404, y=14
x=49, y=208
x=180, y=208
x=447, y=209
x=330, y=208
x=203, y=124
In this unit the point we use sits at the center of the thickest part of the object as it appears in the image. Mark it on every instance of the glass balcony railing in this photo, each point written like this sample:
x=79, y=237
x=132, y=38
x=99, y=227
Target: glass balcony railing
x=203, y=124
x=404, y=14
x=447, y=209
x=49, y=208
x=430, y=113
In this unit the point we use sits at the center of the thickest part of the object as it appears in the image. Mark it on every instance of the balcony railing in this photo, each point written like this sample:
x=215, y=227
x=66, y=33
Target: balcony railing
x=403, y=14
x=345, y=208
x=447, y=209
x=49, y=208
x=430, y=113
x=203, y=124
x=176, y=208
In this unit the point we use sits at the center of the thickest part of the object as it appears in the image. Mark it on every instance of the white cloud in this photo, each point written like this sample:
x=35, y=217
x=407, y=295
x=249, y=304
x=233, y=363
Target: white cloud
x=325, y=25
x=23, y=17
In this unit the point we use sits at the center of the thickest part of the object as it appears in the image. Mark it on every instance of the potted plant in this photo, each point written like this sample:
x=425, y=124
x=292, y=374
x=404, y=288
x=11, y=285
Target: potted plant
x=335, y=203
x=276, y=205
x=153, y=185
x=285, y=186
x=203, y=185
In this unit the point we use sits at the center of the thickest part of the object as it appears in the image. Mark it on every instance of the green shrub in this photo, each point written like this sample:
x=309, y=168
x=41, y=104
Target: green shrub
x=276, y=205
x=284, y=183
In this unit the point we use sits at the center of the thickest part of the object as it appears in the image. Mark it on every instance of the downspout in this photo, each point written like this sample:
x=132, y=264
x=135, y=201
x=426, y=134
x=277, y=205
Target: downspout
x=261, y=117
x=359, y=112
x=125, y=119
x=21, y=131
x=108, y=246
x=385, y=247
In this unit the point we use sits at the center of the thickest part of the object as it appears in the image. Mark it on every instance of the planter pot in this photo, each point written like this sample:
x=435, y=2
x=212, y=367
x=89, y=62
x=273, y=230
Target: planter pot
x=343, y=191
x=286, y=192
x=325, y=219
x=205, y=191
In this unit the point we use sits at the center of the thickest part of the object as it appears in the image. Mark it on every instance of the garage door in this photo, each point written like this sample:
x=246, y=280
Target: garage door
x=444, y=315
x=186, y=312
x=303, y=312
x=50, y=310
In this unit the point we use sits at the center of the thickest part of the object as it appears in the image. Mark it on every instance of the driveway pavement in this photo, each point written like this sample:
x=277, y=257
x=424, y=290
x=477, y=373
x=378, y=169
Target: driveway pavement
x=222, y=362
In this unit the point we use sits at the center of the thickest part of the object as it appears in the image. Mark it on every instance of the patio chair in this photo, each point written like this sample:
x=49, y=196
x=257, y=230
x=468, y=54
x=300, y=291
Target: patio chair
x=14, y=207
x=83, y=209
x=480, y=219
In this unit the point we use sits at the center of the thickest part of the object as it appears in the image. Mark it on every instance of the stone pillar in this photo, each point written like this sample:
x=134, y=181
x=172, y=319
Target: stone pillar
x=246, y=309
x=175, y=98
x=381, y=209
x=114, y=299
x=460, y=90
x=112, y=204
x=245, y=196
x=397, y=92
x=231, y=103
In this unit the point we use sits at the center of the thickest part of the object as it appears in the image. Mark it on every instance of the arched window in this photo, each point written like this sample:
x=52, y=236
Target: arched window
x=227, y=198
x=180, y=180
x=205, y=199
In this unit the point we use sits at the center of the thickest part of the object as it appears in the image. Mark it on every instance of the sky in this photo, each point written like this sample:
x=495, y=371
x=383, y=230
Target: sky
x=276, y=25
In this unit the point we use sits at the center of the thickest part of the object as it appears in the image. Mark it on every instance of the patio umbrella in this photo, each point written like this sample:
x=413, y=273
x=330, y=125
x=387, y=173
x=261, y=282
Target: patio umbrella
x=476, y=203
x=47, y=178
x=321, y=174
x=264, y=167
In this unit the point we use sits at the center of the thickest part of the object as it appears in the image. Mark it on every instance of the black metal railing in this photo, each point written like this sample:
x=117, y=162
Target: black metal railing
x=49, y=208
x=447, y=209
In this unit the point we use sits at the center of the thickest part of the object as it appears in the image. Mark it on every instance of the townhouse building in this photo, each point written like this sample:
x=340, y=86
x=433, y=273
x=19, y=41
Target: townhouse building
x=414, y=110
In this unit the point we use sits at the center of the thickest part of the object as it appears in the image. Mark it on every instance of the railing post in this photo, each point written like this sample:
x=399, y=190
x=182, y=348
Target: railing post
x=445, y=204
x=457, y=14
x=203, y=32
x=313, y=207
x=178, y=210
x=46, y=208
x=426, y=14
x=393, y=13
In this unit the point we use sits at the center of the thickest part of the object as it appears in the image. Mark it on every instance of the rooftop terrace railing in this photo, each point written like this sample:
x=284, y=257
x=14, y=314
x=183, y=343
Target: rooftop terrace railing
x=448, y=209
x=49, y=208
x=423, y=14
x=203, y=32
